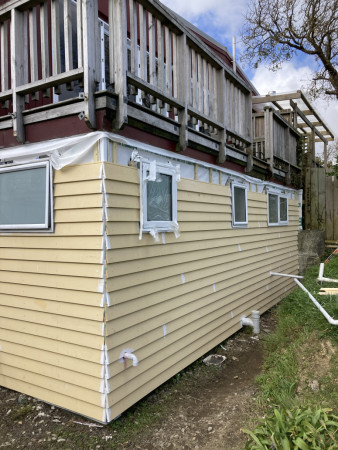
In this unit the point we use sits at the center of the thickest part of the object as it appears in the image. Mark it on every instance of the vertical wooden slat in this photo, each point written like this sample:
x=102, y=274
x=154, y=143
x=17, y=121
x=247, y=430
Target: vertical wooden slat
x=183, y=89
x=160, y=55
x=205, y=88
x=314, y=200
x=44, y=40
x=220, y=95
x=18, y=60
x=133, y=37
x=89, y=23
x=118, y=31
x=80, y=34
x=307, y=199
x=168, y=82
x=194, y=78
x=248, y=108
x=329, y=235
x=152, y=60
x=200, y=82
x=321, y=199
x=174, y=41
x=335, y=207
x=56, y=38
x=33, y=47
x=214, y=94
x=67, y=22
x=211, y=91
x=4, y=56
x=143, y=43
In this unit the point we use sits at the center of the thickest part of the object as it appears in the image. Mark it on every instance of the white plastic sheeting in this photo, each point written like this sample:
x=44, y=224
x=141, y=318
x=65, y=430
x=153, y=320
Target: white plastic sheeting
x=75, y=149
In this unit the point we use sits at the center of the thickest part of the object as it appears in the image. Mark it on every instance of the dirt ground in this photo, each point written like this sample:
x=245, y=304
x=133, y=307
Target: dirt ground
x=205, y=408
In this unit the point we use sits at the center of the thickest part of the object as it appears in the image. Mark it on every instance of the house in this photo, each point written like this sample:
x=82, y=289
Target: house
x=140, y=212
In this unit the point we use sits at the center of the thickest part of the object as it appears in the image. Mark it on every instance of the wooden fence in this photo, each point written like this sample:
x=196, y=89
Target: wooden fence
x=321, y=202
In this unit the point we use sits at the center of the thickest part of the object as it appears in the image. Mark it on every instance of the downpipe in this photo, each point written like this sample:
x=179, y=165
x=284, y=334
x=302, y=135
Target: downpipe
x=254, y=322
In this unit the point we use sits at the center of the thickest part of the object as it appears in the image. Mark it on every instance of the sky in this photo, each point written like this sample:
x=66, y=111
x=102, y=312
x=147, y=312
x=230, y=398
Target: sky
x=223, y=19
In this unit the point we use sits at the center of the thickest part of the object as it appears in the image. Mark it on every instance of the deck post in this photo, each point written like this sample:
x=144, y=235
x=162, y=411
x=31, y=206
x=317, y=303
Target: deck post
x=18, y=62
x=89, y=24
x=268, y=125
x=182, y=91
x=221, y=102
x=118, y=56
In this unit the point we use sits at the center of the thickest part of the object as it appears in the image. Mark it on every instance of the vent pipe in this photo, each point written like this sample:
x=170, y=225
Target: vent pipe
x=234, y=54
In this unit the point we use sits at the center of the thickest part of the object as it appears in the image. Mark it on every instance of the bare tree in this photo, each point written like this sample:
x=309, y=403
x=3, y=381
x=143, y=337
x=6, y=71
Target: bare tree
x=276, y=29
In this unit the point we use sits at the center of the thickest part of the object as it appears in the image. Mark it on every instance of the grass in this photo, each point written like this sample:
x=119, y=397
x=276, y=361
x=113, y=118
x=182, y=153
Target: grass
x=300, y=367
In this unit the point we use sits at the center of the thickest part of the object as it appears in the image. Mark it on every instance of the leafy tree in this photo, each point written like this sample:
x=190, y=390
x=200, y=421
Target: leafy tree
x=275, y=30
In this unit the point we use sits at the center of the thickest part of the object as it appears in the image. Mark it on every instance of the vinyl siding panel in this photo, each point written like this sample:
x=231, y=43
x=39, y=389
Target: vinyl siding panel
x=173, y=300
x=51, y=299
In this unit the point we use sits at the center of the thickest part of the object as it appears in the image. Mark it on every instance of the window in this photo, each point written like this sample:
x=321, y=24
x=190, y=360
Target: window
x=159, y=194
x=26, y=197
x=239, y=206
x=277, y=209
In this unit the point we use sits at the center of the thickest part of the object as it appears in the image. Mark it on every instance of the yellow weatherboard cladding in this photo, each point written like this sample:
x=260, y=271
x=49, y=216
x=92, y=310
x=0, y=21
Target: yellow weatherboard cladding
x=169, y=301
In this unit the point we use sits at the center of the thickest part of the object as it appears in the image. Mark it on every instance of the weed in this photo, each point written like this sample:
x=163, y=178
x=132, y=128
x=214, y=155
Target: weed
x=300, y=428
x=21, y=412
x=299, y=352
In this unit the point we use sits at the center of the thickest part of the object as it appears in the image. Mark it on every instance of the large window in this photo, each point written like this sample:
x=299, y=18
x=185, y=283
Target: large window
x=159, y=197
x=277, y=209
x=26, y=197
x=239, y=206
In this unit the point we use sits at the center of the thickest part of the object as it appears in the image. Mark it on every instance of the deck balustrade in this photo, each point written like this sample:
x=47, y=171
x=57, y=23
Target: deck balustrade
x=57, y=55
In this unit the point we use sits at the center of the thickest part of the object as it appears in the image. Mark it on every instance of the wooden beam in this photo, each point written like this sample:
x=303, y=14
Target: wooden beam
x=275, y=97
x=306, y=120
x=304, y=125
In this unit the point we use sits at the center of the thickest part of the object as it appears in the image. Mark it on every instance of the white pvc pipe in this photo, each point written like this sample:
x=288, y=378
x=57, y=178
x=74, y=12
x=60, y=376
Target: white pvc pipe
x=132, y=357
x=285, y=275
x=328, y=280
x=322, y=278
x=254, y=322
x=321, y=309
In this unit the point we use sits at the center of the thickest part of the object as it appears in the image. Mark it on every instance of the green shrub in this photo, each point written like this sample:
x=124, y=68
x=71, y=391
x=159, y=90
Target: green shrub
x=300, y=428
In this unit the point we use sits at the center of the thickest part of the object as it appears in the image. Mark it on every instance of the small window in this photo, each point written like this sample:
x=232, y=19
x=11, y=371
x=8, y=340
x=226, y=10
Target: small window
x=26, y=197
x=159, y=197
x=277, y=209
x=239, y=206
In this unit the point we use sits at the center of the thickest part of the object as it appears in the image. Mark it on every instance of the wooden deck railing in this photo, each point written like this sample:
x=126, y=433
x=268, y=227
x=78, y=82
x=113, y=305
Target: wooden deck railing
x=152, y=59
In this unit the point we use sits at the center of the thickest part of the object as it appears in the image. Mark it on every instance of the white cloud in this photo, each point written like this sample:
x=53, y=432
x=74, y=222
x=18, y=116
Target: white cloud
x=220, y=18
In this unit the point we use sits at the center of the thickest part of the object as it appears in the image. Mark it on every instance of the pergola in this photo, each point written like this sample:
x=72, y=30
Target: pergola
x=303, y=117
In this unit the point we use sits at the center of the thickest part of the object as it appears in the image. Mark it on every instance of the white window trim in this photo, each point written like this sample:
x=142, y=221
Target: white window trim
x=234, y=223
x=280, y=222
x=160, y=226
x=48, y=223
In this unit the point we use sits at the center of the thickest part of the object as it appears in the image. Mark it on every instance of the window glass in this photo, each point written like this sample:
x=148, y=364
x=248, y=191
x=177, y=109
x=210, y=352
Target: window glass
x=25, y=197
x=273, y=209
x=283, y=204
x=240, y=204
x=159, y=198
